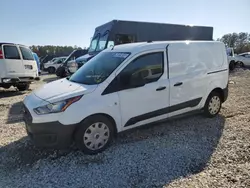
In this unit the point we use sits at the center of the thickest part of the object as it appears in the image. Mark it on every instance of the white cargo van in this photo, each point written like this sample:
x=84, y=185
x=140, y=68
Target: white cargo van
x=17, y=66
x=125, y=87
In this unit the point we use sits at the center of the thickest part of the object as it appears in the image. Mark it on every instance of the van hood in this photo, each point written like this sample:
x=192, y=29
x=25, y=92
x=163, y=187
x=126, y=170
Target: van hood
x=62, y=89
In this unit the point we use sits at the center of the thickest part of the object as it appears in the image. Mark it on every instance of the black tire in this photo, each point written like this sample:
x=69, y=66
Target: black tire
x=60, y=72
x=51, y=70
x=208, y=112
x=23, y=87
x=231, y=65
x=83, y=130
x=6, y=86
x=241, y=64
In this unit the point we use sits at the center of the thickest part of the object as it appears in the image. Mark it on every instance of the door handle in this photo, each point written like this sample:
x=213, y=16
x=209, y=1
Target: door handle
x=178, y=84
x=161, y=88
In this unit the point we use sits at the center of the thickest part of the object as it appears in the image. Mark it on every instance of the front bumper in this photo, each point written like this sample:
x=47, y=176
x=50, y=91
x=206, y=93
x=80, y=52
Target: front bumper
x=17, y=80
x=49, y=135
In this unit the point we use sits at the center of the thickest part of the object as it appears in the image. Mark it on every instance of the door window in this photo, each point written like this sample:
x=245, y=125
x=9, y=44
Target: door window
x=26, y=53
x=11, y=52
x=147, y=68
x=110, y=44
x=59, y=61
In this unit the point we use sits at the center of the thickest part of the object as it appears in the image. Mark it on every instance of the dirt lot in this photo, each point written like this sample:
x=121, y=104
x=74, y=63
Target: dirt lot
x=189, y=152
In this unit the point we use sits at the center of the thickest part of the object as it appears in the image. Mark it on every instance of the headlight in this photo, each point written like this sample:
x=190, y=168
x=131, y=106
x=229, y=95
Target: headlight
x=57, y=106
x=6, y=80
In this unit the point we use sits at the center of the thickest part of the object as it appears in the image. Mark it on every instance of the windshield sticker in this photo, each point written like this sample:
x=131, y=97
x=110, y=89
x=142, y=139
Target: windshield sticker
x=121, y=55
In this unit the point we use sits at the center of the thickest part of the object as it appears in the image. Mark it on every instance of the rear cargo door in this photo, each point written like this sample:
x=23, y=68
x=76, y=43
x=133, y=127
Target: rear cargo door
x=29, y=62
x=12, y=59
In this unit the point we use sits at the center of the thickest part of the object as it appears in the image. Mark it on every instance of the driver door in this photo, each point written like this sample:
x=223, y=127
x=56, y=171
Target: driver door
x=139, y=103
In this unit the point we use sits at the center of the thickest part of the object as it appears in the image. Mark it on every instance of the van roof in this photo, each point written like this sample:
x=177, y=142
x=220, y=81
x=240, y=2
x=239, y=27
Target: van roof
x=3, y=43
x=146, y=22
x=132, y=21
x=150, y=45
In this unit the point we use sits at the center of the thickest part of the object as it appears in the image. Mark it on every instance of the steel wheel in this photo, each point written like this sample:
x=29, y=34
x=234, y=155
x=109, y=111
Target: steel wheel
x=214, y=105
x=96, y=136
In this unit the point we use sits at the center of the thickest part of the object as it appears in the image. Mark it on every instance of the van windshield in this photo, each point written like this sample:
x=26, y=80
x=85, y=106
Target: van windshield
x=93, y=43
x=98, y=68
x=99, y=42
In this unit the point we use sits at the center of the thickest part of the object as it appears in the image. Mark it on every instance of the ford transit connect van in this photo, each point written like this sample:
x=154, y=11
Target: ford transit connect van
x=124, y=87
x=17, y=66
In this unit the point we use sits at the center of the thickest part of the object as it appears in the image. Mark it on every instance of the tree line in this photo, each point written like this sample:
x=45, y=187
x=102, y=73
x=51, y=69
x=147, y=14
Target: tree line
x=54, y=51
x=240, y=42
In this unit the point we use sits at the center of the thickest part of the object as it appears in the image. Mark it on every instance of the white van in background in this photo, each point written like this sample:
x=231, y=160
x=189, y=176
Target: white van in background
x=127, y=86
x=17, y=66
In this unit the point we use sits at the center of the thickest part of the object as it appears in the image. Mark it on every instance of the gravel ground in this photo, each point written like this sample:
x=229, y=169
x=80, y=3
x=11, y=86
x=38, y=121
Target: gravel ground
x=191, y=151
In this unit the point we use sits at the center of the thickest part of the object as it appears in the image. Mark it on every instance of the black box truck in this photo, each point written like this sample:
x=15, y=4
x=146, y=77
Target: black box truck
x=118, y=32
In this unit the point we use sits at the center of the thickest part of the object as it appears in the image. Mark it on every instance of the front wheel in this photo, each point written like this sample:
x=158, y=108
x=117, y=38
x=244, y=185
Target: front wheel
x=51, y=70
x=213, y=105
x=94, y=135
x=60, y=72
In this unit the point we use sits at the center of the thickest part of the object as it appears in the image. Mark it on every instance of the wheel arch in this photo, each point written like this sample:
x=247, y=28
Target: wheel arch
x=51, y=67
x=100, y=114
x=220, y=92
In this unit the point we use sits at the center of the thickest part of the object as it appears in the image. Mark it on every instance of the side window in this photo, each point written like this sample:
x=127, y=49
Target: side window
x=11, y=52
x=123, y=39
x=110, y=44
x=26, y=53
x=148, y=68
x=59, y=61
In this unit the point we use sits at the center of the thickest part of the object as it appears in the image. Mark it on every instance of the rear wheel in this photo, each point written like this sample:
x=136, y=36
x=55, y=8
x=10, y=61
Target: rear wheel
x=95, y=134
x=23, y=87
x=213, y=105
x=51, y=70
